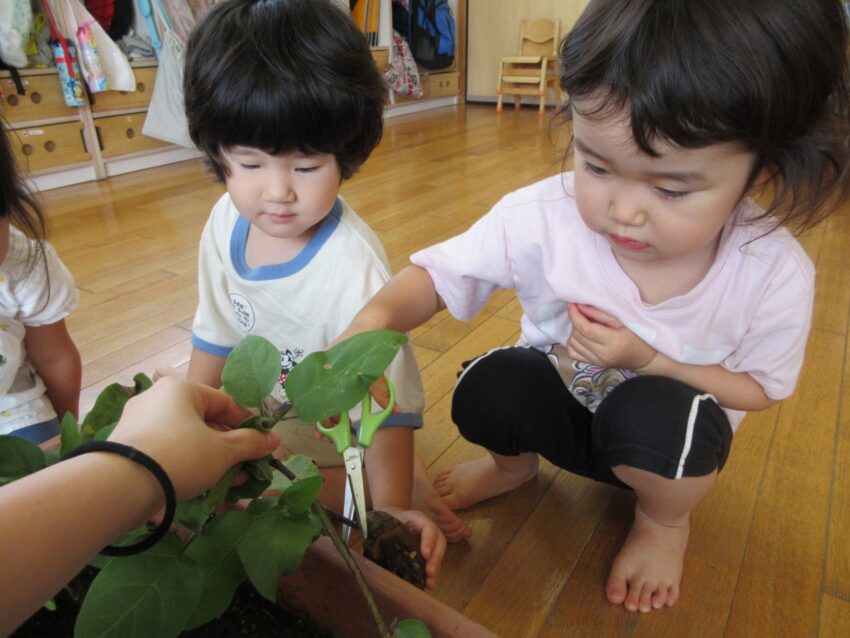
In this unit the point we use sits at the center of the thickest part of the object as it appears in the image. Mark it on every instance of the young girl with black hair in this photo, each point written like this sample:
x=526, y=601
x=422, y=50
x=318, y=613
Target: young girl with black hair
x=660, y=302
x=40, y=368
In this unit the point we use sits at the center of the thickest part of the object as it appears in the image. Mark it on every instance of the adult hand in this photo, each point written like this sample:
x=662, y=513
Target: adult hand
x=189, y=429
x=432, y=543
x=600, y=339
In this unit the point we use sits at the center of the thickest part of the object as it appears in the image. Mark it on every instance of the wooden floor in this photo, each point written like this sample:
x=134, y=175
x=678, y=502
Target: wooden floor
x=770, y=547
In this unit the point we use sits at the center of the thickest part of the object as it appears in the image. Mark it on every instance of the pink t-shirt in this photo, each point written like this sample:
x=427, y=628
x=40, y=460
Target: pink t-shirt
x=751, y=313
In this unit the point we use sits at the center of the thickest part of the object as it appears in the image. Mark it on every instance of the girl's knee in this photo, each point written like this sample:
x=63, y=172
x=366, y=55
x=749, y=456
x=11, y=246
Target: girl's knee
x=662, y=426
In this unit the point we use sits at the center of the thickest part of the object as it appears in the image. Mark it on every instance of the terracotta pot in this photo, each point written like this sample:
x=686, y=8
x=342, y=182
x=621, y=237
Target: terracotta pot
x=324, y=588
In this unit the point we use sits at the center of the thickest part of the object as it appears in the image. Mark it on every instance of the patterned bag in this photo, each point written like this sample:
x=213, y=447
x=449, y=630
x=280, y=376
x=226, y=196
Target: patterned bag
x=401, y=72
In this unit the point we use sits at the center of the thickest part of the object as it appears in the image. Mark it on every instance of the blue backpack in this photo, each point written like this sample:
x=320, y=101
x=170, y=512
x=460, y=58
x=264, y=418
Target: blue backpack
x=429, y=29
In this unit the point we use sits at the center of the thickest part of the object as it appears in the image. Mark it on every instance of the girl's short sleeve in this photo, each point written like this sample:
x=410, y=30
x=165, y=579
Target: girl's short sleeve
x=774, y=347
x=48, y=293
x=470, y=267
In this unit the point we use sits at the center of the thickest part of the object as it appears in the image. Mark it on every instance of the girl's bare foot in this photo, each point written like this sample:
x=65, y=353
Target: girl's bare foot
x=474, y=481
x=647, y=571
x=426, y=499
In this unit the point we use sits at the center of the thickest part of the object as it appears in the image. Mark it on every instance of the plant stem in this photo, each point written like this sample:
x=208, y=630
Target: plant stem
x=344, y=551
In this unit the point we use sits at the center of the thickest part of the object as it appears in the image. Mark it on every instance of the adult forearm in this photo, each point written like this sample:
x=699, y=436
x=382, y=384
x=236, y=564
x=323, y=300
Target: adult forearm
x=54, y=521
x=734, y=390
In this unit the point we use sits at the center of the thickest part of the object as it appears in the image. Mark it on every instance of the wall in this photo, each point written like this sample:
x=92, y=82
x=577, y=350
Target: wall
x=494, y=32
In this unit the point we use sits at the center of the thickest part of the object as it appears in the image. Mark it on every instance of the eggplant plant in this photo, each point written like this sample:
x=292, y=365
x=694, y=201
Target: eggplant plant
x=189, y=577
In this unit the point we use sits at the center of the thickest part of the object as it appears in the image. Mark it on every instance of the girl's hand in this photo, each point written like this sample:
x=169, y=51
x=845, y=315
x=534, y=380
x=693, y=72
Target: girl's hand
x=432, y=542
x=601, y=339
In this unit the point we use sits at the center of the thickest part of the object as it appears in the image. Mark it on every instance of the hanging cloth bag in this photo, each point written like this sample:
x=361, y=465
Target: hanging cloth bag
x=166, y=118
x=104, y=65
x=65, y=57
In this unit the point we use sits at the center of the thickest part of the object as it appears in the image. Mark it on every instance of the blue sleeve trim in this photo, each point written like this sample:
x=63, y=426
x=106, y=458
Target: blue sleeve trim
x=210, y=348
x=405, y=420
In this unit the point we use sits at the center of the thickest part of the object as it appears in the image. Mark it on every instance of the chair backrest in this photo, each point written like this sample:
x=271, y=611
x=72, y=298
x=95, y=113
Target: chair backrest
x=539, y=37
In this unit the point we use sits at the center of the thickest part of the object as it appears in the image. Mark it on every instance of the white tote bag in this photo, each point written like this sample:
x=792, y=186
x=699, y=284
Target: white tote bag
x=166, y=118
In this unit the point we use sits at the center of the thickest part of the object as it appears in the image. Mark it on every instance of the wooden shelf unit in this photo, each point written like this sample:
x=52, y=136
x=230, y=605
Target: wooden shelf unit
x=60, y=145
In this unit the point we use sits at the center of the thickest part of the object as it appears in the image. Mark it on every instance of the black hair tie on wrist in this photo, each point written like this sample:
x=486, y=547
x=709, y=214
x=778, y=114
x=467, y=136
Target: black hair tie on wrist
x=154, y=468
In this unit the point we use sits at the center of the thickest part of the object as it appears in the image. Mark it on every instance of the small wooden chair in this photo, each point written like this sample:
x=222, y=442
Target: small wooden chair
x=535, y=69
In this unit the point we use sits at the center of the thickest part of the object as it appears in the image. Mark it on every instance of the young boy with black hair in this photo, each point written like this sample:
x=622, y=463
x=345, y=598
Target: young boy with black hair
x=284, y=98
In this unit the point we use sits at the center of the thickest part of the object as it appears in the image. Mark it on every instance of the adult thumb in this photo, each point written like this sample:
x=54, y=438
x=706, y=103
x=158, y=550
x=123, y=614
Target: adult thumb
x=248, y=444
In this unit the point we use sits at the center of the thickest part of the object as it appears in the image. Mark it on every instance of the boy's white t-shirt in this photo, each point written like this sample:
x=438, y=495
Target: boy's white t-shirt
x=751, y=313
x=301, y=305
x=33, y=292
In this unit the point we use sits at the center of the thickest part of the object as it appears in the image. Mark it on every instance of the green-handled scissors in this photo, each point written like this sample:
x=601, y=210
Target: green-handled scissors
x=340, y=434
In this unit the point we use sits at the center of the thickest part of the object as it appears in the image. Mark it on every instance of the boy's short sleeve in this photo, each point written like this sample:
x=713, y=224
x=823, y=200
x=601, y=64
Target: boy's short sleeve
x=214, y=330
x=468, y=268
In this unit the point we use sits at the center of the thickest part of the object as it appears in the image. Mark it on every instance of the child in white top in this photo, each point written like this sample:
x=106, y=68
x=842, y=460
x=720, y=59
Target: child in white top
x=286, y=101
x=40, y=368
x=660, y=303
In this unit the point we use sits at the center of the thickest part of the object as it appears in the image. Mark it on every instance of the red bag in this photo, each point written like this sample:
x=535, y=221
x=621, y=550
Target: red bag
x=103, y=11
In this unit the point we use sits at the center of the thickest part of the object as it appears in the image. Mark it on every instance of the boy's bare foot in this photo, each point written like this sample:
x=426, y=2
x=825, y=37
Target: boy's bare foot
x=647, y=571
x=474, y=481
x=426, y=499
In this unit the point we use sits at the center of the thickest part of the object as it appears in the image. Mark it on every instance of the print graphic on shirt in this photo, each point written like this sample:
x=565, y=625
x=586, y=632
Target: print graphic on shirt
x=288, y=360
x=243, y=310
x=588, y=383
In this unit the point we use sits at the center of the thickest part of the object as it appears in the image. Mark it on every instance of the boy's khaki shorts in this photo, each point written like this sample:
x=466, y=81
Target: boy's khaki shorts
x=299, y=438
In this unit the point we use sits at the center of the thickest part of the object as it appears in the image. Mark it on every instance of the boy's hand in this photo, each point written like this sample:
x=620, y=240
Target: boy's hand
x=601, y=339
x=432, y=542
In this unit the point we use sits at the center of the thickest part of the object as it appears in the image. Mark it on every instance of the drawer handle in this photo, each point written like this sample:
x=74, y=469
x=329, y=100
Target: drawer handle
x=83, y=140
x=131, y=133
x=97, y=134
x=35, y=97
x=140, y=87
x=12, y=100
x=50, y=146
x=27, y=149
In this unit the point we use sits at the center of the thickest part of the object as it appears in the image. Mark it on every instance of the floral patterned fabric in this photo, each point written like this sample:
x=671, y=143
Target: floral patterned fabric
x=401, y=73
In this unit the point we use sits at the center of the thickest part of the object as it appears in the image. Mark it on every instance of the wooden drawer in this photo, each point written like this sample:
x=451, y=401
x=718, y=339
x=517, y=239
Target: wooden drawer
x=440, y=84
x=52, y=146
x=43, y=99
x=122, y=134
x=381, y=57
x=115, y=100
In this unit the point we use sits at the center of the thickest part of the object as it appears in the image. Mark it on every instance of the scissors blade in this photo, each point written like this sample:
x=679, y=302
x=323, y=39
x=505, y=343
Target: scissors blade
x=355, y=494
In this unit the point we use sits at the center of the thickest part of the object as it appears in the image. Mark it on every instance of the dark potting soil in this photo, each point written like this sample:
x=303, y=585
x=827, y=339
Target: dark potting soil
x=249, y=615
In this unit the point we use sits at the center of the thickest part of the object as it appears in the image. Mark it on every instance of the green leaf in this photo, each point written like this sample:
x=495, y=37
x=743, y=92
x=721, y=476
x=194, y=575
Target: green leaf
x=259, y=479
x=143, y=382
x=216, y=495
x=251, y=371
x=70, y=436
x=192, y=514
x=327, y=383
x=302, y=466
x=52, y=455
x=110, y=404
x=299, y=496
x=273, y=546
x=149, y=594
x=103, y=433
x=411, y=629
x=18, y=458
x=221, y=569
